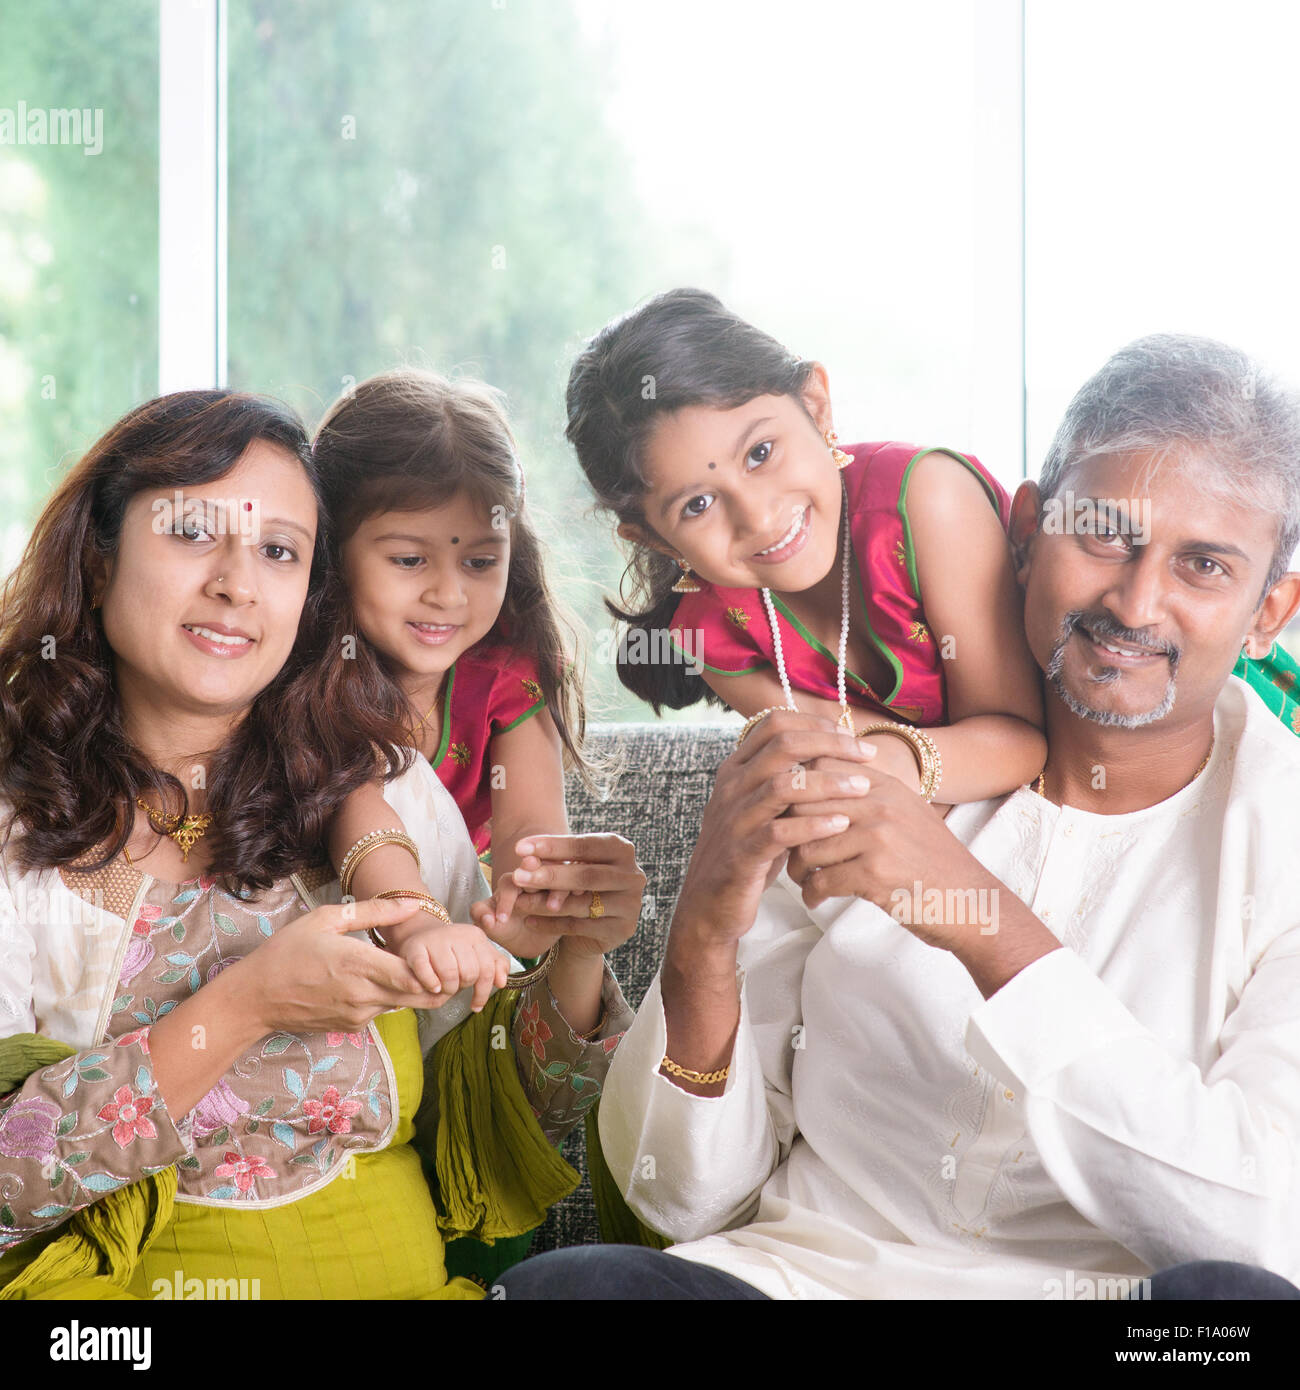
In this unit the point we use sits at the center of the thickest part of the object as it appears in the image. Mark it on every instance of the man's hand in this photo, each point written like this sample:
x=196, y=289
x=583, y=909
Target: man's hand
x=898, y=853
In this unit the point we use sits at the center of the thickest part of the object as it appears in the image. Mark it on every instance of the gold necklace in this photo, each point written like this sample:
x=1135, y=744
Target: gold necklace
x=1038, y=786
x=185, y=830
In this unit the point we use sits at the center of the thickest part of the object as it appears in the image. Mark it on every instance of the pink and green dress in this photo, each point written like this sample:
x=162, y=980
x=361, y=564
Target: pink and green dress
x=731, y=634
x=489, y=690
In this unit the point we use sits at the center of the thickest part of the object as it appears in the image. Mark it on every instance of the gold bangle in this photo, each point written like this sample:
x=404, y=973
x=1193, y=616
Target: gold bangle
x=538, y=972
x=929, y=763
x=427, y=901
x=363, y=847
x=756, y=719
x=700, y=1078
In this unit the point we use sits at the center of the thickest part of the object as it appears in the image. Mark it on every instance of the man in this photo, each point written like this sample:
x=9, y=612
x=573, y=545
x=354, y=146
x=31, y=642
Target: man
x=1050, y=1045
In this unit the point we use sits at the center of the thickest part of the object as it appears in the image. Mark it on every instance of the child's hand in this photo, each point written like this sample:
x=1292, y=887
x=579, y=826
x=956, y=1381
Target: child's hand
x=447, y=957
x=497, y=910
x=502, y=917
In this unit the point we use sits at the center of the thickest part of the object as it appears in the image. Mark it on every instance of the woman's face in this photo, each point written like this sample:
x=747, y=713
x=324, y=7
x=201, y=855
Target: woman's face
x=427, y=585
x=203, y=597
x=749, y=496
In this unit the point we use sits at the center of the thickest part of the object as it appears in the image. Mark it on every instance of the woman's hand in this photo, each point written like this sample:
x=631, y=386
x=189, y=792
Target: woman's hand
x=549, y=896
x=312, y=977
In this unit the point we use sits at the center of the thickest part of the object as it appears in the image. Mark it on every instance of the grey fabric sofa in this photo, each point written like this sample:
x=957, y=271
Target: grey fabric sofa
x=656, y=798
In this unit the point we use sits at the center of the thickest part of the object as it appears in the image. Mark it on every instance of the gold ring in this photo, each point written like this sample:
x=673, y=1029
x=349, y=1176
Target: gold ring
x=597, y=908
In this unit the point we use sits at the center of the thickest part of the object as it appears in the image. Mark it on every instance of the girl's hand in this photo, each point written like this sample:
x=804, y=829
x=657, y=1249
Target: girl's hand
x=553, y=888
x=312, y=977
x=501, y=905
x=445, y=958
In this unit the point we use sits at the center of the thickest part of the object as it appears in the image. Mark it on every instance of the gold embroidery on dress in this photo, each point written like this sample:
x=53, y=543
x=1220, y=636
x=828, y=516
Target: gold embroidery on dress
x=534, y=690
x=1286, y=682
x=919, y=633
x=317, y=876
x=112, y=887
x=739, y=617
x=1295, y=720
x=460, y=754
x=900, y=554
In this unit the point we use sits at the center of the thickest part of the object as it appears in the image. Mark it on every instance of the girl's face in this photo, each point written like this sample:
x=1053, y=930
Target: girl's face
x=201, y=602
x=749, y=496
x=427, y=585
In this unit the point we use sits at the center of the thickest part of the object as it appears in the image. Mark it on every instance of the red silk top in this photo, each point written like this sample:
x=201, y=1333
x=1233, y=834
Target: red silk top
x=489, y=690
x=732, y=634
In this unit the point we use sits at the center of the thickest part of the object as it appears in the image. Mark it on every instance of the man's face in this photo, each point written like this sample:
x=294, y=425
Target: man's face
x=1131, y=630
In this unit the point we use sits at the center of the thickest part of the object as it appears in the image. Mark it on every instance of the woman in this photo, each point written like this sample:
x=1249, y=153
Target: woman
x=178, y=728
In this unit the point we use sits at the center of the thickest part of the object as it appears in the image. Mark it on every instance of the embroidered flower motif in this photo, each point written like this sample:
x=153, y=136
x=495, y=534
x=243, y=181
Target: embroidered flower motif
x=27, y=1128
x=138, y=954
x=918, y=633
x=144, y=923
x=329, y=1112
x=243, y=1170
x=460, y=754
x=609, y=1044
x=356, y=1039
x=739, y=617
x=535, y=1031
x=129, y=1116
x=138, y=1035
x=533, y=690
x=1286, y=682
x=900, y=554
x=218, y=1109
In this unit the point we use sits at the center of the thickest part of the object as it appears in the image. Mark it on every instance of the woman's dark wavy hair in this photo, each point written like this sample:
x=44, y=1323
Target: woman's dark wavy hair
x=67, y=768
x=679, y=349
x=410, y=440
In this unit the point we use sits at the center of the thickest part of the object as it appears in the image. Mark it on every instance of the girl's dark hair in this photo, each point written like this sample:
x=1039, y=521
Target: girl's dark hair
x=410, y=440
x=681, y=348
x=67, y=768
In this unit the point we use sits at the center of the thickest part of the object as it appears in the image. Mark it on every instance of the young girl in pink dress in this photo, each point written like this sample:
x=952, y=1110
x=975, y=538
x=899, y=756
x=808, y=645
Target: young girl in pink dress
x=456, y=629
x=871, y=583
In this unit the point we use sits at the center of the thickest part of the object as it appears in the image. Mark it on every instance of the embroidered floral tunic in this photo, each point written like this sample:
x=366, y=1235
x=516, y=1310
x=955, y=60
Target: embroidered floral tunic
x=96, y=959
x=489, y=690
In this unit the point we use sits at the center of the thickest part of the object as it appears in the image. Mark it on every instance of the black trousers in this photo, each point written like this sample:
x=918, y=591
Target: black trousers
x=634, y=1272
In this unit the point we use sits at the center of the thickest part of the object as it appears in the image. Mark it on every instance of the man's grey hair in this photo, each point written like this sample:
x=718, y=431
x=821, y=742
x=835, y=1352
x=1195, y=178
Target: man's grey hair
x=1192, y=400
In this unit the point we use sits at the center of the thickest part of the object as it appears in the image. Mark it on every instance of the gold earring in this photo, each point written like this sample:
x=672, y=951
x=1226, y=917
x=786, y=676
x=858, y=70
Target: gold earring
x=685, y=584
x=841, y=459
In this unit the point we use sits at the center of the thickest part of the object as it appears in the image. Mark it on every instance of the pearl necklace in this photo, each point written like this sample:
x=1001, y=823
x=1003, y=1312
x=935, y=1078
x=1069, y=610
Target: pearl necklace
x=846, y=718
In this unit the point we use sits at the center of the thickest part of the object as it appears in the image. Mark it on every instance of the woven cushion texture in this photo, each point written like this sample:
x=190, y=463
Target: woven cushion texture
x=655, y=796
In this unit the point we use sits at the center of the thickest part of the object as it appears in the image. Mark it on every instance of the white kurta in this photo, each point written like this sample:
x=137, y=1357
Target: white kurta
x=1124, y=1104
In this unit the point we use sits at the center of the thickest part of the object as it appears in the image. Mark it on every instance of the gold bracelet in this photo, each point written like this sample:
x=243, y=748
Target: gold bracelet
x=538, y=972
x=363, y=847
x=700, y=1078
x=756, y=719
x=427, y=901
x=929, y=764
